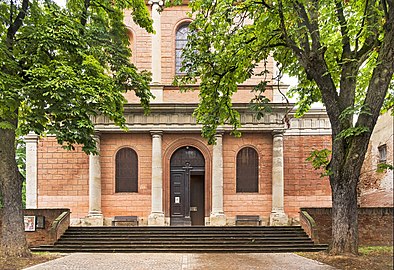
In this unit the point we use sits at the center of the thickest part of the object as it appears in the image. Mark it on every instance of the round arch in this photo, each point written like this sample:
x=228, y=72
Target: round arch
x=171, y=149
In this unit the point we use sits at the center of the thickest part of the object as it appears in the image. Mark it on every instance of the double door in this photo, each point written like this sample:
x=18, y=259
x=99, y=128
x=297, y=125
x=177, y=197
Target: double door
x=187, y=198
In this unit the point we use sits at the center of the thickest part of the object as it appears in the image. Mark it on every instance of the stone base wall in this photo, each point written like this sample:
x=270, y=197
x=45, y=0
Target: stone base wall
x=375, y=225
x=54, y=226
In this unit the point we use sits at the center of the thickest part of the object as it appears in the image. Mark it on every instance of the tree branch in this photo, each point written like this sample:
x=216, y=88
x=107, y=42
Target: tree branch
x=371, y=40
x=362, y=25
x=381, y=75
x=346, y=50
x=84, y=17
x=263, y=3
x=288, y=40
x=14, y=27
x=11, y=11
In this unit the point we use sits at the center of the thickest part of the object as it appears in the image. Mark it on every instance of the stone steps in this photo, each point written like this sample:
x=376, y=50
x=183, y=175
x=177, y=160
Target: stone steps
x=184, y=239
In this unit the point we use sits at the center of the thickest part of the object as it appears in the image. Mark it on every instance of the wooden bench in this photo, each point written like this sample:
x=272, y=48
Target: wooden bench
x=126, y=220
x=245, y=220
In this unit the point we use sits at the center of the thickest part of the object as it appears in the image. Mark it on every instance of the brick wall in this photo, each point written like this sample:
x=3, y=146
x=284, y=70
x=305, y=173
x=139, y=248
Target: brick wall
x=247, y=203
x=63, y=177
x=141, y=43
x=44, y=236
x=303, y=185
x=376, y=188
x=130, y=203
x=375, y=225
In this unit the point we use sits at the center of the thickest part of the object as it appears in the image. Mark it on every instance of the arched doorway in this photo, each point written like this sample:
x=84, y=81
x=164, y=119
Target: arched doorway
x=187, y=188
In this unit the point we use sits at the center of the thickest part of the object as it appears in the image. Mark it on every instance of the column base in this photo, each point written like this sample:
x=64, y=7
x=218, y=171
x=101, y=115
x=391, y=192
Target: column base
x=93, y=219
x=218, y=219
x=279, y=219
x=156, y=219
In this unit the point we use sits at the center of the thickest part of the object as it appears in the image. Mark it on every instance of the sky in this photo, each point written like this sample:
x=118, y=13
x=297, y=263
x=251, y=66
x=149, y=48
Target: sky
x=61, y=2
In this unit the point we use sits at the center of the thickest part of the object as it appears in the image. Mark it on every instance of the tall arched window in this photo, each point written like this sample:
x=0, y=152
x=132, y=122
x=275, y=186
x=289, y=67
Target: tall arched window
x=180, y=41
x=247, y=170
x=131, y=45
x=126, y=176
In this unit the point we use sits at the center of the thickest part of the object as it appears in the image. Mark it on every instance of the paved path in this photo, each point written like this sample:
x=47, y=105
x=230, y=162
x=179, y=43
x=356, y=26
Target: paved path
x=182, y=261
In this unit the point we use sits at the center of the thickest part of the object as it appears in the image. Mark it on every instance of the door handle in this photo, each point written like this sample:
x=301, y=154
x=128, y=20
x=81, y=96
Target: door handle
x=193, y=209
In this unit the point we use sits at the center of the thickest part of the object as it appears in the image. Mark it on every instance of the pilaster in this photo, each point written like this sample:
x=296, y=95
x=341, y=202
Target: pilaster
x=95, y=217
x=156, y=41
x=31, y=170
x=156, y=218
x=217, y=217
x=278, y=216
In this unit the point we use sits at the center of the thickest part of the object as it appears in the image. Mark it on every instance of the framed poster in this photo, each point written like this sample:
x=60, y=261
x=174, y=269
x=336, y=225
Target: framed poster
x=30, y=223
x=40, y=222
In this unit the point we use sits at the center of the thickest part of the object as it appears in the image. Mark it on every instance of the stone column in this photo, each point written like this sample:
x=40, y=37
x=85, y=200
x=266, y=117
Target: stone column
x=31, y=170
x=95, y=217
x=217, y=217
x=156, y=88
x=278, y=216
x=156, y=218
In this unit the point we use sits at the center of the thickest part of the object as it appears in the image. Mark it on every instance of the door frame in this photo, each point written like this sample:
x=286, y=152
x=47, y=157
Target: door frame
x=181, y=169
x=207, y=154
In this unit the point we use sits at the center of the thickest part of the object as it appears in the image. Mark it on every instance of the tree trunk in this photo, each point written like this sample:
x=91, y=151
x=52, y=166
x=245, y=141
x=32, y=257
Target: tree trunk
x=13, y=240
x=344, y=215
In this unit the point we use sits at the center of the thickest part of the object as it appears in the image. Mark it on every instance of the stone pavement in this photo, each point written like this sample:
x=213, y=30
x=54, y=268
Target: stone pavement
x=182, y=261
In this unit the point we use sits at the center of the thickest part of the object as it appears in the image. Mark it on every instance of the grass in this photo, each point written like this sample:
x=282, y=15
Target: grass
x=21, y=263
x=370, y=257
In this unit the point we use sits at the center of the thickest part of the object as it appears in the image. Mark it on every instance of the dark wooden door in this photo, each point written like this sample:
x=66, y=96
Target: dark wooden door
x=186, y=161
x=197, y=205
x=179, y=178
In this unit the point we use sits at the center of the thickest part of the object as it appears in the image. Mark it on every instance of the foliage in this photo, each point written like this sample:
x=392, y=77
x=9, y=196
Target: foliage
x=230, y=38
x=65, y=65
x=382, y=167
x=320, y=160
x=340, y=51
x=60, y=67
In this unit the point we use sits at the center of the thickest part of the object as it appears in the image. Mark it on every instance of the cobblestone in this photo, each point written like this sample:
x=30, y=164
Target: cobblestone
x=182, y=261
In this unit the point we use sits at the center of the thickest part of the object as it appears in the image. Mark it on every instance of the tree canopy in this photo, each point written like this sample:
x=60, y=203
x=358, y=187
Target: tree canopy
x=62, y=65
x=58, y=67
x=341, y=51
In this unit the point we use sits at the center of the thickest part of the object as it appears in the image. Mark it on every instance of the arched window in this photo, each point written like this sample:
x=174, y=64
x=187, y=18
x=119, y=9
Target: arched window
x=126, y=176
x=131, y=45
x=180, y=41
x=247, y=170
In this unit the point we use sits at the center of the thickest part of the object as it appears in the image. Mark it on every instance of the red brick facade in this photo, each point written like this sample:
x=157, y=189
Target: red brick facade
x=63, y=177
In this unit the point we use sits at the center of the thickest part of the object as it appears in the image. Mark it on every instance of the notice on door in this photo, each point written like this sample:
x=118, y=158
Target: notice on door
x=177, y=200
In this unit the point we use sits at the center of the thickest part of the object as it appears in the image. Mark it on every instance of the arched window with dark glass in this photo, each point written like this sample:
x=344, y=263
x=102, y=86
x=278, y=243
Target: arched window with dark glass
x=180, y=41
x=247, y=170
x=126, y=176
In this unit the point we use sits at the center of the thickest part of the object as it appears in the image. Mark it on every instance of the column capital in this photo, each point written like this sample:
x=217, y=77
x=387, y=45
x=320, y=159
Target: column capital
x=31, y=137
x=219, y=133
x=156, y=133
x=278, y=132
x=156, y=2
x=97, y=135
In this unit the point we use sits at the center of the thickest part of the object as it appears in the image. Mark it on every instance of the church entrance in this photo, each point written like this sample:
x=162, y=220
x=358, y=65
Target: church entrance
x=187, y=187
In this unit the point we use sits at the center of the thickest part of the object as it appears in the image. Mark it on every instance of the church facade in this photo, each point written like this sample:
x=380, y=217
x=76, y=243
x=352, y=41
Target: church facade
x=163, y=172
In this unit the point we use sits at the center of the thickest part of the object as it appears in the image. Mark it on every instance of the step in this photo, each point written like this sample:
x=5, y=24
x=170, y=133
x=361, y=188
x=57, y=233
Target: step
x=188, y=250
x=186, y=245
x=184, y=239
x=206, y=240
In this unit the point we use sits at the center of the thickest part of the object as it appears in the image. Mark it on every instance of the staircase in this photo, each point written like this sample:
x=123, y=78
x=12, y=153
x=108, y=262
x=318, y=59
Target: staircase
x=183, y=239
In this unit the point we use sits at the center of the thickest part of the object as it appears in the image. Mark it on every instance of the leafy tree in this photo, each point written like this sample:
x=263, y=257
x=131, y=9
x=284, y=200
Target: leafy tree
x=58, y=67
x=342, y=52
